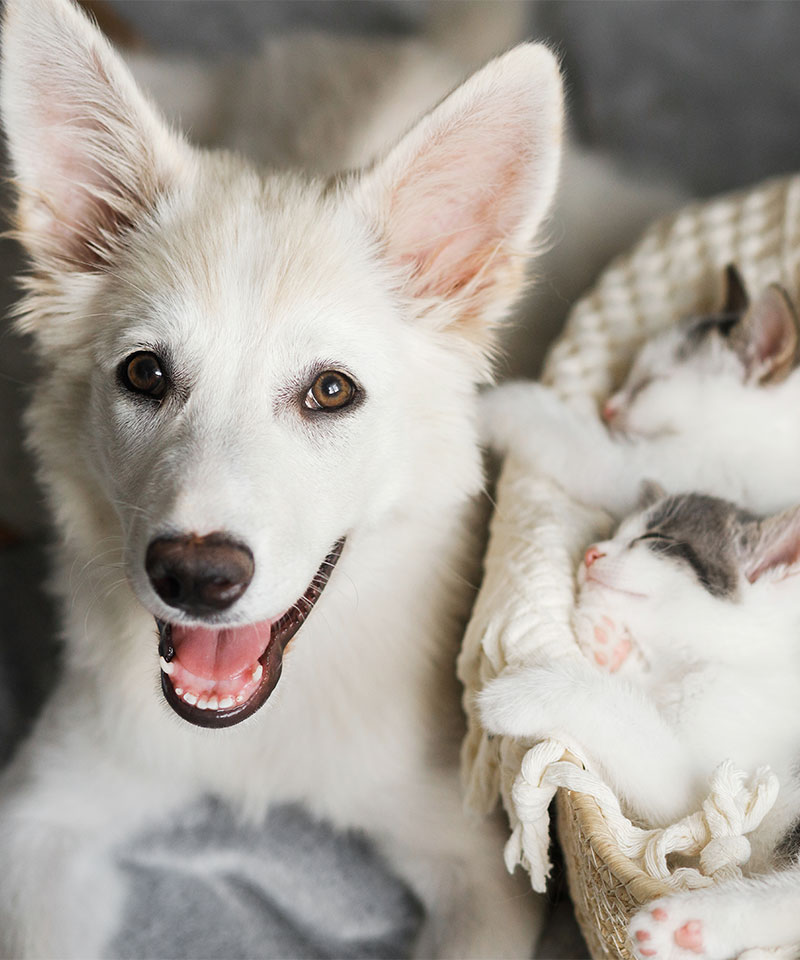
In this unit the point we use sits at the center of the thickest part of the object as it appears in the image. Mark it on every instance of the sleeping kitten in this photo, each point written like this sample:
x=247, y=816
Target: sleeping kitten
x=692, y=613
x=711, y=404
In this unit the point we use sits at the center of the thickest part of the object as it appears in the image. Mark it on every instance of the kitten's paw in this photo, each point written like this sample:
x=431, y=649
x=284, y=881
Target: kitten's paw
x=505, y=707
x=528, y=418
x=673, y=928
x=520, y=703
x=607, y=643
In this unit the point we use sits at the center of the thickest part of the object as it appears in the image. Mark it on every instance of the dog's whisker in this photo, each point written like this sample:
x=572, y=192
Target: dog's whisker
x=94, y=559
x=94, y=562
x=112, y=587
x=138, y=508
x=352, y=583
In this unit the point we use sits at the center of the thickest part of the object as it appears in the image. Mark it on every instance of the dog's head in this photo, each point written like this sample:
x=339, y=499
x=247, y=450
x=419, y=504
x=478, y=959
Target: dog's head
x=243, y=370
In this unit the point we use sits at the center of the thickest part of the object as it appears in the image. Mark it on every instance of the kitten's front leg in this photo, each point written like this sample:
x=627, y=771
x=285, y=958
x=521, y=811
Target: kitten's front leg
x=719, y=923
x=531, y=421
x=605, y=719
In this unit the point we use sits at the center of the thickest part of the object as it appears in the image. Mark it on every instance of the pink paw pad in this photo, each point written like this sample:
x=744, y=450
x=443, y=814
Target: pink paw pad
x=659, y=914
x=643, y=936
x=620, y=654
x=690, y=936
x=609, y=644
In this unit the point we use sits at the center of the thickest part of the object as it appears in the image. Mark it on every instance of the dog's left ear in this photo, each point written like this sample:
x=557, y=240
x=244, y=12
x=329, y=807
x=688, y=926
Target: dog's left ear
x=459, y=201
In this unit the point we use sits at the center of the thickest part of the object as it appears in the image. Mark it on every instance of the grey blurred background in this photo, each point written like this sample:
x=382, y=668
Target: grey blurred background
x=699, y=96
x=705, y=92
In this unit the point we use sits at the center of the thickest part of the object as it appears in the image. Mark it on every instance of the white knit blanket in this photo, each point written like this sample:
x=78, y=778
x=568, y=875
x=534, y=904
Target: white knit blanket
x=523, y=611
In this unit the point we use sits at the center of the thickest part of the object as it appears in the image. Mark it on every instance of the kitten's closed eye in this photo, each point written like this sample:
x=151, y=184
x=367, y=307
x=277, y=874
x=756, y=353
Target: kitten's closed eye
x=664, y=545
x=653, y=536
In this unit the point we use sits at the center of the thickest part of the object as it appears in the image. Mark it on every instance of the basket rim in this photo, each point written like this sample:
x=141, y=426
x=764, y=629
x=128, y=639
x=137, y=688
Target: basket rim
x=642, y=887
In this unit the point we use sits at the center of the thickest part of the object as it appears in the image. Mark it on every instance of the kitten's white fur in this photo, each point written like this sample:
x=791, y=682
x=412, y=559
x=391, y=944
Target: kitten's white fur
x=714, y=678
x=705, y=417
x=400, y=272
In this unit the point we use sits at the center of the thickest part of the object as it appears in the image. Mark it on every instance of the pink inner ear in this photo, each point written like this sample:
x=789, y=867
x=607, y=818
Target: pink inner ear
x=782, y=557
x=452, y=212
x=82, y=139
x=773, y=331
x=76, y=209
x=779, y=544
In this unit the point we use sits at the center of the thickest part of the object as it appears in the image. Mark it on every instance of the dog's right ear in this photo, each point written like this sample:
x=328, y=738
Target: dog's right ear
x=90, y=155
x=458, y=203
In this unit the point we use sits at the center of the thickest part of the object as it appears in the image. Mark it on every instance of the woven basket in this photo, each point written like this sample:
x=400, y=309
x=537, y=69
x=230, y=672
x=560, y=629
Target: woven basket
x=522, y=612
x=606, y=887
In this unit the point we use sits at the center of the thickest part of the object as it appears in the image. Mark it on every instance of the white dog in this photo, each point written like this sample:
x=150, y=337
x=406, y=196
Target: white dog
x=256, y=416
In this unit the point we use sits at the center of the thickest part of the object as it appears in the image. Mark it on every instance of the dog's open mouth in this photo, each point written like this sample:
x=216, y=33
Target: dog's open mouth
x=219, y=677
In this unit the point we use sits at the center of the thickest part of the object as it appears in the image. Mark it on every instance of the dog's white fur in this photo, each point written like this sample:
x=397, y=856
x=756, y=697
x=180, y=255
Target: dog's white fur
x=398, y=274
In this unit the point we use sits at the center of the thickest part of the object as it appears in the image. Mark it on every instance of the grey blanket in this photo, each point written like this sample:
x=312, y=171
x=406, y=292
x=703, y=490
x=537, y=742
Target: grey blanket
x=209, y=887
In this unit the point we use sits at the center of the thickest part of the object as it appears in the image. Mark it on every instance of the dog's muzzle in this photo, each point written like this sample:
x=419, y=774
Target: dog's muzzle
x=219, y=676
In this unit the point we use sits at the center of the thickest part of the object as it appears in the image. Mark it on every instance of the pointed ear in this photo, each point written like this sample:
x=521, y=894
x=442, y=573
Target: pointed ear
x=736, y=299
x=650, y=492
x=458, y=203
x=766, y=337
x=771, y=543
x=90, y=155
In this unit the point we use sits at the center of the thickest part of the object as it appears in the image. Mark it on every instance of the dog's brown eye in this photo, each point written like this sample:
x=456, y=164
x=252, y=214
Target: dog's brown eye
x=330, y=391
x=142, y=373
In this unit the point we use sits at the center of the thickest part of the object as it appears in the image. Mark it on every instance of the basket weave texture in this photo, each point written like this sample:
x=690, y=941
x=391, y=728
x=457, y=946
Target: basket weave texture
x=522, y=613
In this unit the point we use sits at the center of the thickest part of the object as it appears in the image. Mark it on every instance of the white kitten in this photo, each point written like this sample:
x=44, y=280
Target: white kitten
x=691, y=614
x=710, y=404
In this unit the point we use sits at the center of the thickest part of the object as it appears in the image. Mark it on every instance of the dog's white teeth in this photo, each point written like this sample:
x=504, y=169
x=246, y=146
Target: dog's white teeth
x=257, y=672
x=209, y=701
x=168, y=668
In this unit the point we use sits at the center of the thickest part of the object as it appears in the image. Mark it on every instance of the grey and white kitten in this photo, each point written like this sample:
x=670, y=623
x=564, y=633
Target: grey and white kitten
x=690, y=619
x=711, y=404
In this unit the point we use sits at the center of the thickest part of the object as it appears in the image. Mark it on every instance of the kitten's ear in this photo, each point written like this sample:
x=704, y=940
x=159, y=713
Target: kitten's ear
x=89, y=154
x=457, y=204
x=766, y=337
x=771, y=543
x=650, y=492
x=736, y=299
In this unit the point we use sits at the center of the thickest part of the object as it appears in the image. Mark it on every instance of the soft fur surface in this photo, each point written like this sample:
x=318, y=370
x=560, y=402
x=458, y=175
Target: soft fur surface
x=244, y=284
x=689, y=617
x=708, y=405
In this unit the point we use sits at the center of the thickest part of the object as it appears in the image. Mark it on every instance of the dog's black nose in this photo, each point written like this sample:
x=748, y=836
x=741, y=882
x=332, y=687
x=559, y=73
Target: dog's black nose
x=199, y=575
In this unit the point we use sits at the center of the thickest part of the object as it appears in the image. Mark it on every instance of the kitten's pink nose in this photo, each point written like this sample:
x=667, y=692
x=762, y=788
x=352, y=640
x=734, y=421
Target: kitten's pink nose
x=592, y=554
x=610, y=410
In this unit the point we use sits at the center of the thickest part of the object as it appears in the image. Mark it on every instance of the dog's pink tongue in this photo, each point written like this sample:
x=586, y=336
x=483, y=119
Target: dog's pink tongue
x=220, y=654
